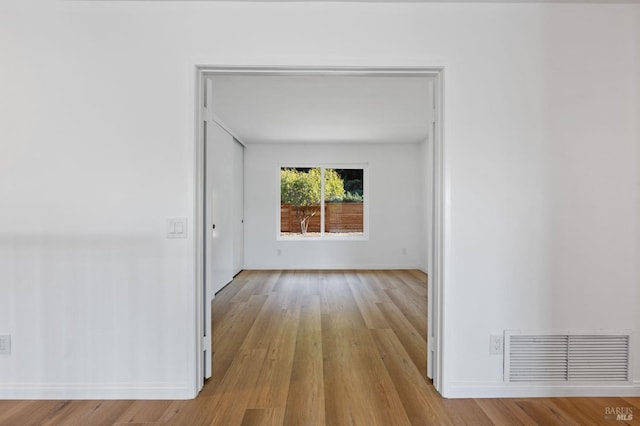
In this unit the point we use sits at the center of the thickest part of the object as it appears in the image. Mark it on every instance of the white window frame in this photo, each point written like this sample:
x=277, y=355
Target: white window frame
x=329, y=236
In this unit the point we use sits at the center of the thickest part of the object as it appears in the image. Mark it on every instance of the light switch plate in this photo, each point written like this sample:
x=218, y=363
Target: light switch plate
x=177, y=227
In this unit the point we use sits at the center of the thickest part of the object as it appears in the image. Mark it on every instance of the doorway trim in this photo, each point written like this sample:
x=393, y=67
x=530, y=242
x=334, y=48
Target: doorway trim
x=435, y=315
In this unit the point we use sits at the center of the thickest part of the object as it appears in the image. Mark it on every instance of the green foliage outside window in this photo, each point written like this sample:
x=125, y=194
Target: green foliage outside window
x=302, y=189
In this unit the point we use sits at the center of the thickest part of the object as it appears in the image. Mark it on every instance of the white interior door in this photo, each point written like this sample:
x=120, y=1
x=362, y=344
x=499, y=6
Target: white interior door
x=430, y=214
x=219, y=176
x=209, y=231
x=218, y=215
x=208, y=278
x=238, y=207
x=220, y=203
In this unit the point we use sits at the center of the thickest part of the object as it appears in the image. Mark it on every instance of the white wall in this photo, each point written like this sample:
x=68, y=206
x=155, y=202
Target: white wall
x=543, y=184
x=96, y=135
x=393, y=198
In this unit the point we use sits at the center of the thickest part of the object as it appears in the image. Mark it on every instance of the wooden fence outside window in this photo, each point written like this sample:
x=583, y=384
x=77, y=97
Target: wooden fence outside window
x=338, y=217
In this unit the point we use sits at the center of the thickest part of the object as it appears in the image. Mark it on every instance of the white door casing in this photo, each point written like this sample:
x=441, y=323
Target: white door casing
x=206, y=289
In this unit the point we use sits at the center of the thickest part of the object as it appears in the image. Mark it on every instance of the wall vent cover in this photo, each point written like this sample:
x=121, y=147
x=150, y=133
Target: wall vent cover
x=567, y=357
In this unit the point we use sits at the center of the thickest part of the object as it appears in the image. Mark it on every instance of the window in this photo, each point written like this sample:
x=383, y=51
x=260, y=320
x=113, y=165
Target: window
x=322, y=202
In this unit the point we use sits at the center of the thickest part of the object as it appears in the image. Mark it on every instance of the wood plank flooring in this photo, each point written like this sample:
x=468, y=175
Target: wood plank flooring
x=320, y=348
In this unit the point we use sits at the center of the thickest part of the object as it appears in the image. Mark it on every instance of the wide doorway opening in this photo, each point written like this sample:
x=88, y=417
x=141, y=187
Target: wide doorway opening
x=366, y=146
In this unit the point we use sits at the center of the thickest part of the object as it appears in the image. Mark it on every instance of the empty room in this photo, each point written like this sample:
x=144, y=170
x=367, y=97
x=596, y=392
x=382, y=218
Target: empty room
x=319, y=212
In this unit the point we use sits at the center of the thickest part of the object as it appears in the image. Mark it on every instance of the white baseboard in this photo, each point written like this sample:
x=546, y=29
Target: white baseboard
x=502, y=390
x=329, y=267
x=96, y=391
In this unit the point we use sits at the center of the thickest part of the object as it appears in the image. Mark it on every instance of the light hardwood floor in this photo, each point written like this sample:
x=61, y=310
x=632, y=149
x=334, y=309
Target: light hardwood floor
x=320, y=348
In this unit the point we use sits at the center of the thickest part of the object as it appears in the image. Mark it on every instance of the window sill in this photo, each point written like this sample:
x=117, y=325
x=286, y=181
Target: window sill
x=324, y=238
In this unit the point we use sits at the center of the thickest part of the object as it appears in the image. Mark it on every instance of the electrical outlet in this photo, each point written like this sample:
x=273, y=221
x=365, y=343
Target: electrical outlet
x=5, y=344
x=495, y=344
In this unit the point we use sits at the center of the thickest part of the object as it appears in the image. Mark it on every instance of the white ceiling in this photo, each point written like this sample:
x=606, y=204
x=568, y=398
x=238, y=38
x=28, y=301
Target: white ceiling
x=450, y=1
x=323, y=108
